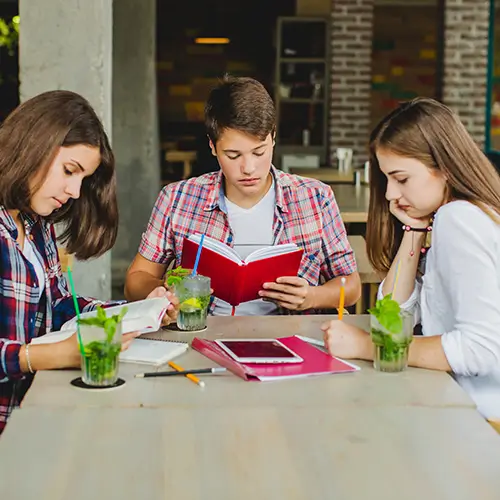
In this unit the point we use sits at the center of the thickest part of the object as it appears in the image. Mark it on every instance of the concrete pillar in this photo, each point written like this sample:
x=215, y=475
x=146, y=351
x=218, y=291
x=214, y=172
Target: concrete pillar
x=351, y=62
x=135, y=129
x=466, y=61
x=68, y=45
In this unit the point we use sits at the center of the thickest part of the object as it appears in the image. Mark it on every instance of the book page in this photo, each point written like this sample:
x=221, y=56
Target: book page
x=142, y=315
x=264, y=253
x=218, y=247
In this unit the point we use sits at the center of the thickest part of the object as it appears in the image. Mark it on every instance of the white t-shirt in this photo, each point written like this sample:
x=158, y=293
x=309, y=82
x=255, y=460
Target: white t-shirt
x=459, y=298
x=30, y=255
x=252, y=229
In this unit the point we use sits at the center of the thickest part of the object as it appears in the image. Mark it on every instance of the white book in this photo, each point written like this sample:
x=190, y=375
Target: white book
x=231, y=254
x=143, y=316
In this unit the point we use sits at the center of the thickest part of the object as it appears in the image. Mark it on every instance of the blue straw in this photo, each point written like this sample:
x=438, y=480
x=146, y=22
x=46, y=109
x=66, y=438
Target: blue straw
x=196, y=262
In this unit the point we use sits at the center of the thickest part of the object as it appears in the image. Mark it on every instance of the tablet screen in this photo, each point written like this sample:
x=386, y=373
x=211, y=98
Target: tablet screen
x=257, y=349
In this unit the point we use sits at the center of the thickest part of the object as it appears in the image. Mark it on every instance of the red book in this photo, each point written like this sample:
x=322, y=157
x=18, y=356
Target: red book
x=233, y=279
x=316, y=362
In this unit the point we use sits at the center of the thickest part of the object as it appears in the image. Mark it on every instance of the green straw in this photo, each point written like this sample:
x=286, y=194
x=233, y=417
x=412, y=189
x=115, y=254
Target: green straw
x=77, y=309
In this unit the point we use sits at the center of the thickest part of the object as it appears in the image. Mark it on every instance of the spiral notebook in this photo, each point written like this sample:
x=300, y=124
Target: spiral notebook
x=153, y=352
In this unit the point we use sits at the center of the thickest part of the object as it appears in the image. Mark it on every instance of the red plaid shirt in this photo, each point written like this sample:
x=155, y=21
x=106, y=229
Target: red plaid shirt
x=23, y=313
x=306, y=214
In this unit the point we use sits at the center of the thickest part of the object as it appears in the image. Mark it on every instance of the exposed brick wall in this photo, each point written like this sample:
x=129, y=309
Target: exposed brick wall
x=465, y=62
x=351, y=58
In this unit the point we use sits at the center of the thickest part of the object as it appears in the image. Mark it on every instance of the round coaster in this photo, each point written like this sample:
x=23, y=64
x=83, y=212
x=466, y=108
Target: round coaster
x=80, y=384
x=174, y=328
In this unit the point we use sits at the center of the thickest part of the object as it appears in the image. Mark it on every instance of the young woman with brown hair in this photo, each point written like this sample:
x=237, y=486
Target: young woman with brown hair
x=428, y=175
x=56, y=165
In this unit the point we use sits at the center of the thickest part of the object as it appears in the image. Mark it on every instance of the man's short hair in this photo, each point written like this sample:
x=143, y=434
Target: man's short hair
x=241, y=104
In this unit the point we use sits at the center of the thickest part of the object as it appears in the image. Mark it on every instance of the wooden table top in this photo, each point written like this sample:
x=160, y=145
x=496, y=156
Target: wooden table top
x=353, y=202
x=327, y=175
x=228, y=453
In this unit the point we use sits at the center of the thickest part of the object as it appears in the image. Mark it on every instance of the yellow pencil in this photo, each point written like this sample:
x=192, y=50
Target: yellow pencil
x=342, y=298
x=190, y=376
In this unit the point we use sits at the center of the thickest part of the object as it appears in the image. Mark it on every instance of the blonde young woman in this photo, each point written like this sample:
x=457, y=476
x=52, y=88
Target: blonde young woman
x=428, y=175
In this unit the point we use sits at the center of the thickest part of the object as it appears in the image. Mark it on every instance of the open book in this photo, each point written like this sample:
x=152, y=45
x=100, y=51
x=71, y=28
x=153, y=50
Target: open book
x=142, y=316
x=233, y=279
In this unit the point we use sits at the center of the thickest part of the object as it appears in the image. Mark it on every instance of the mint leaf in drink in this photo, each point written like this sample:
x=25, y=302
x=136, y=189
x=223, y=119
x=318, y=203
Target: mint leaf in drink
x=175, y=276
x=102, y=321
x=388, y=314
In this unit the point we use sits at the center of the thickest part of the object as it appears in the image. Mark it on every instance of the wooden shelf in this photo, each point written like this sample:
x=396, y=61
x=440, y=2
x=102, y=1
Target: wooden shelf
x=303, y=60
x=301, y=100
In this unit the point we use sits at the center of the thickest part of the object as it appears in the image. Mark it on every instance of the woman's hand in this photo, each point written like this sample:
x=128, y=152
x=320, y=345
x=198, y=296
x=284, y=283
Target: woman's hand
x=172, y=308
x=69, y=351
x=346, y=341
x=404, y=218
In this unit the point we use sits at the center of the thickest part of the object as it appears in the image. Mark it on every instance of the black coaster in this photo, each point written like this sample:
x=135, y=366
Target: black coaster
x=79, y=383
x=174, y=328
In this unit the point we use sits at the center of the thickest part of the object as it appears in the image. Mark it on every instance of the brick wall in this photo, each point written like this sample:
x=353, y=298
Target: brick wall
x=404, y=57
x=465, y=62
x=351, y=57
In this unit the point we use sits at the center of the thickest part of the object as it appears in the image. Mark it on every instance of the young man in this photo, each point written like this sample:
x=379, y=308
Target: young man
x=248, y=205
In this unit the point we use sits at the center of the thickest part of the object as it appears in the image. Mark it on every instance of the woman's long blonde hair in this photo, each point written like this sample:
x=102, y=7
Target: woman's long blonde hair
x=430, y=132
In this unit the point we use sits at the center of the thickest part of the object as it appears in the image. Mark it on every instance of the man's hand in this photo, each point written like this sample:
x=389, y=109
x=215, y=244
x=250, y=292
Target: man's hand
x=173, y=307
x=290, y=292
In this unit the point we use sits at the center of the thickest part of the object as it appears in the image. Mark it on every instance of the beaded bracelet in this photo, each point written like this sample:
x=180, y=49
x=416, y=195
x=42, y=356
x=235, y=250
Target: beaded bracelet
x=26, y=350
x=426, y=230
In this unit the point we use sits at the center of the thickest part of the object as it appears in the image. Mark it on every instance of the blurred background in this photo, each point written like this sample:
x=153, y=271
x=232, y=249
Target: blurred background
x=333, y=67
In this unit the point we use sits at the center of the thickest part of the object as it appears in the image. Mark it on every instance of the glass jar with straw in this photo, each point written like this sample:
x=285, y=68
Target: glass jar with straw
x=99, y=340
x=391, y=331
x=193, y=292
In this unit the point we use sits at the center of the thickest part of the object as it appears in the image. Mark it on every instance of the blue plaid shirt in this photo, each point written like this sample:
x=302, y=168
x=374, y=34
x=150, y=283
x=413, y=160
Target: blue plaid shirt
x=24, y=314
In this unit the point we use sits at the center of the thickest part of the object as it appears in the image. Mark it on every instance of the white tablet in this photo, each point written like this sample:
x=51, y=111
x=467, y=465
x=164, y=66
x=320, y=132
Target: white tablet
x=258, y=351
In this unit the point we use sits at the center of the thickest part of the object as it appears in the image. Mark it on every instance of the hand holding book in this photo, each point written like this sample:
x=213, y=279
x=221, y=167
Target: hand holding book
x=290, y=292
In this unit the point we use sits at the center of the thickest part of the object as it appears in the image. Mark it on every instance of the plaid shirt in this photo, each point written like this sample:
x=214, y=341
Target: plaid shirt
x=306, y=214
x=23, y=313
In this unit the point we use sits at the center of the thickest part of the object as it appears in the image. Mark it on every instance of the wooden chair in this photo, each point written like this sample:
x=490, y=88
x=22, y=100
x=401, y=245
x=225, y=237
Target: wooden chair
x=369, y=277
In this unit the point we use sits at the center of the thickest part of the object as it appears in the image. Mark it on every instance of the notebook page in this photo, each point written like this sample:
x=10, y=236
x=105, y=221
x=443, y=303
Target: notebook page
x=152, y=352
x=218, y=247
x=264, y=253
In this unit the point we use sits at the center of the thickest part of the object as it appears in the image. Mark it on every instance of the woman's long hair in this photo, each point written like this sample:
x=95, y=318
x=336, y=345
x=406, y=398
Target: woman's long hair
x=30, y=139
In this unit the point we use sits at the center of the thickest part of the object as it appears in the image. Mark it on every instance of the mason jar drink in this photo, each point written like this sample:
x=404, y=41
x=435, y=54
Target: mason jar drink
x=193, y=293
x=101, y=339
x=391, y=345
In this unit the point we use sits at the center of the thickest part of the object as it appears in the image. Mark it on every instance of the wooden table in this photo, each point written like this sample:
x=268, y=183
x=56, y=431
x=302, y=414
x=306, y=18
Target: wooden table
x=184, y=157
x=246, y=453
x=328, y=175
x=411, y=435
x=352, y=201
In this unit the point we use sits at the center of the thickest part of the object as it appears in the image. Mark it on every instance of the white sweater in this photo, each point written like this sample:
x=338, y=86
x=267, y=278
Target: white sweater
x=459, y=299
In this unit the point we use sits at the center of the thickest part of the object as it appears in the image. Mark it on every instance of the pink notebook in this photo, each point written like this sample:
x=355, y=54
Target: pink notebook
x=316, y=362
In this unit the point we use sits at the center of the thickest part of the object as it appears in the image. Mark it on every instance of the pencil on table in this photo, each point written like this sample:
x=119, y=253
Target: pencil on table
x=190, y=376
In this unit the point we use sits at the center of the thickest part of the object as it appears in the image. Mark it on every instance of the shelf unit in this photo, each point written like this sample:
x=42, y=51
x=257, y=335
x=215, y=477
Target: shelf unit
x=301, y=87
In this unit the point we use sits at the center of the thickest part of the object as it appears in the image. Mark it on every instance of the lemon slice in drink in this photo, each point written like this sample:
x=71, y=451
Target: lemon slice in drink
x=192, y=303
